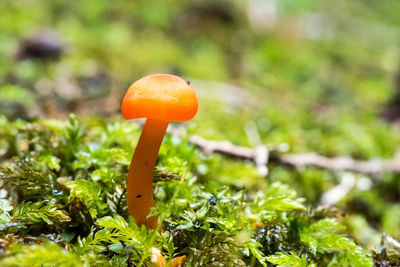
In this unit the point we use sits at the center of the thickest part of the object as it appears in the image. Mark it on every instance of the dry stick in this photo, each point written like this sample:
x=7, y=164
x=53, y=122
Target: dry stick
x=96, y=226
x=261, y=155
x=393, y=242
x=120, y=199
x=140, y=257
x=98, y=229
x=297, y=161
x=390, y=240
x=129, y=263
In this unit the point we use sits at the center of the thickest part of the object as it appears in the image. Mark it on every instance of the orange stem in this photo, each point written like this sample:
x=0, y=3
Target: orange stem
x=140, y=176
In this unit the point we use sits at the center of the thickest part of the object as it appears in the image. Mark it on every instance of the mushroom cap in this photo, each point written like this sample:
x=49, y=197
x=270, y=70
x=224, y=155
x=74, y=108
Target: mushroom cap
x=160, y=96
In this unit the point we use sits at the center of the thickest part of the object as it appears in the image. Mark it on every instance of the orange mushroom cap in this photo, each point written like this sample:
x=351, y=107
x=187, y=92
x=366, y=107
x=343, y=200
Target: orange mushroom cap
x=162, y=97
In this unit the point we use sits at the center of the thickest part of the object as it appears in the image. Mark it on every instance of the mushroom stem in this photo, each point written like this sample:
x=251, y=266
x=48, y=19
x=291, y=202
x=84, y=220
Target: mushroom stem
x=140, y=176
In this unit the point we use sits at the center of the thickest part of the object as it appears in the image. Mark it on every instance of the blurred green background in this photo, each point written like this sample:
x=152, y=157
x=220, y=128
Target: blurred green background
x=320, y=76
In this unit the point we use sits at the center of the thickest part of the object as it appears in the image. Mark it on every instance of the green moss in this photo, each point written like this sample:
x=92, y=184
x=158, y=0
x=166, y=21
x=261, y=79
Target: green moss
x=208, y=221
x=316, y=80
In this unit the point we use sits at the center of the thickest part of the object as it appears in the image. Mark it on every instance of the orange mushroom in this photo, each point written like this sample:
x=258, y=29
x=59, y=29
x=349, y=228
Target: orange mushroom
x=160, y=98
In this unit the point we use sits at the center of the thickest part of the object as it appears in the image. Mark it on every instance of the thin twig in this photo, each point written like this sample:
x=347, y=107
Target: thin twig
x=120, y=200
x=298, y=161
x=140, y=257
x=393, y=242
x=129, y=263
x=261, y=155
x=96, y=226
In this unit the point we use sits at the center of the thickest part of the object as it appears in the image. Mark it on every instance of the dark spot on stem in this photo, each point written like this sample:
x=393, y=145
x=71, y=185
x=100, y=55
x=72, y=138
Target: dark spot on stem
x=138, y=196
x=146, y=162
